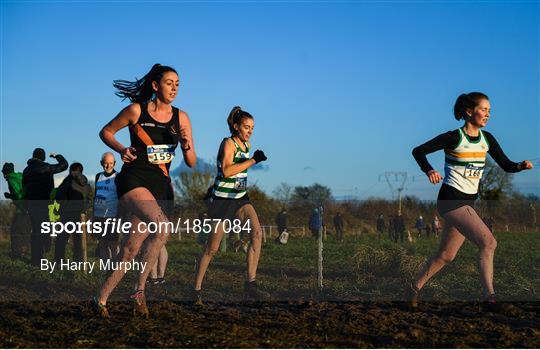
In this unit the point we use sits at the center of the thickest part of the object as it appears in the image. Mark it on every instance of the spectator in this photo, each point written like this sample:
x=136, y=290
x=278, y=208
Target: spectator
x=73, y=196
x=428, y=230
x=399, y=227
x=419, y=225
x=281, y=221
x=20, y=226
x=380, y=226
x=315, y=223
x=38, y=182
x=106, y=206
x=436, y=226
x=338, y=224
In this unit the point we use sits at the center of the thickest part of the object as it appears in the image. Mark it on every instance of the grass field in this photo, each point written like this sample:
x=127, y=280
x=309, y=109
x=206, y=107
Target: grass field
x=359, y=306
x=360, y=268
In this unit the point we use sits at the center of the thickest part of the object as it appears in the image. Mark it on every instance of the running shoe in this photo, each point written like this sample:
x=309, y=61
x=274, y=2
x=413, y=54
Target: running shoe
x=197, y=297
x=252, y=292
x=490, y=304
x=139, y=307
x=411, y=296
x=100, y=309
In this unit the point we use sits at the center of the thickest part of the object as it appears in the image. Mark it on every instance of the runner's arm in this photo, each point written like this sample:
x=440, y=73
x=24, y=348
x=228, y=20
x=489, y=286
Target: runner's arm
x=496, y=152
x=128, y=116
x=228, y=168
x=186, y=140
x=447, y=140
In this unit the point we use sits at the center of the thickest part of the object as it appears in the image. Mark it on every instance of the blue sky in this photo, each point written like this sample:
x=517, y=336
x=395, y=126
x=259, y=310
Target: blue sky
x=341, y=92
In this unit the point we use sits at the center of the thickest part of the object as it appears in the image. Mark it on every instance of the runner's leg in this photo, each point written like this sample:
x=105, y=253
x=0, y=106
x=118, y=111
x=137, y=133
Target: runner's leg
x=450, y=244
x=467, y=221
x=210, y=250
x=247, y=212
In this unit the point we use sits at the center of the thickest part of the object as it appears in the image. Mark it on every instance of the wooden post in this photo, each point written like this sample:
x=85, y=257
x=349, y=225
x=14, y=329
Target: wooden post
x=83, y=239
x=320, y=260
x=319, y=266
x=223, y=247
x=264, y=234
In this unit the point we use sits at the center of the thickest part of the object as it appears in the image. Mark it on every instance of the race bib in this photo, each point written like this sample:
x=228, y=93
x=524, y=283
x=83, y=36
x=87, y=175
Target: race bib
x=160, y=154
x=99, y=200
x=473, y=172
x=240, y=183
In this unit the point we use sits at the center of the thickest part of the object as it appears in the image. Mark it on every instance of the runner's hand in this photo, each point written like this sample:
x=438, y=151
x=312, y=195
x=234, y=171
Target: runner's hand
x=129, y=154
x=434, y=176
x=259, y=156
x=525, y=165
x=185, y=143
x=52, y=155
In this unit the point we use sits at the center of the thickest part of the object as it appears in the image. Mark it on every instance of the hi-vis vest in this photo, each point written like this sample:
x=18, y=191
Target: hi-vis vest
x=106, y=199
x=235, y=186
x=464, y=165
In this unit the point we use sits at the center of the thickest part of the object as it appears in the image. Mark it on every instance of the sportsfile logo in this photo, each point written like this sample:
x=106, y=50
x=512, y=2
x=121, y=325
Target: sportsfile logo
x=117, y=225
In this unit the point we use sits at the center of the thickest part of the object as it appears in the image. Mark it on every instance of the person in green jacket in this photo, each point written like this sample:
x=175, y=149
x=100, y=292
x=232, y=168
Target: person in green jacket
x=20, y=226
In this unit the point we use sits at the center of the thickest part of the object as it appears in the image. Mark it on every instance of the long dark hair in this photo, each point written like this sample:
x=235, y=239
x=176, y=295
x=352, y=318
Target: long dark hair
x=235, y=117
x=141, y=90
x=467, y=101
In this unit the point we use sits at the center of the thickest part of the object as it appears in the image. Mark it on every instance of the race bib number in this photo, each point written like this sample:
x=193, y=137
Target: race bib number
x=160, y=154
x=240, y=184
x=99, y=200
x=473, y=172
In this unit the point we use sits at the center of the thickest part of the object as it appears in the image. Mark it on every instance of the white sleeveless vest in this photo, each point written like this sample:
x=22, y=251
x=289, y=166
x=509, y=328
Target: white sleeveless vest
x=106, y=199
x=464, y=165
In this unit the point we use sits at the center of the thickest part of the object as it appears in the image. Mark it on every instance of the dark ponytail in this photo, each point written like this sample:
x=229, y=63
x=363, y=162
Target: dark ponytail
x=141, y=90
x=235, y=117
x=467, y=101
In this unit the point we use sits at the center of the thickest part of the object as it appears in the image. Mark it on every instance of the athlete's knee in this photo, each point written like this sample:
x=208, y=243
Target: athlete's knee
x=490, y=244
x=130, y=252
x=256, y=234
x=446, y=256
x=209, y=251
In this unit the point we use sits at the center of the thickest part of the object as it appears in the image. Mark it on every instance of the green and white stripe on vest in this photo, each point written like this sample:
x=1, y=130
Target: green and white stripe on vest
x=464, y=165
x=235, y=186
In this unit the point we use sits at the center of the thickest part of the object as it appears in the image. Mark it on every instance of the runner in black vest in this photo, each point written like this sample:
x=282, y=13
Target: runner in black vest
x=143, y=185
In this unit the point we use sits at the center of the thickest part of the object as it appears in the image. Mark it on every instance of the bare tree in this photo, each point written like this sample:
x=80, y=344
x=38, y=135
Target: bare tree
x=314, y=195
x=194, y=184
x=495, y=183
x=283, y=193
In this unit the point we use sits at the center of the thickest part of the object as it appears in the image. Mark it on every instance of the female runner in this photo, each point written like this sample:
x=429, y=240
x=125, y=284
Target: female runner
x=144, y=185
x=465, y=155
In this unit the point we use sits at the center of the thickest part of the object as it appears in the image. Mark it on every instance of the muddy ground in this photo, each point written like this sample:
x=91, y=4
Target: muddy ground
x=291, y=325
x=42, y=310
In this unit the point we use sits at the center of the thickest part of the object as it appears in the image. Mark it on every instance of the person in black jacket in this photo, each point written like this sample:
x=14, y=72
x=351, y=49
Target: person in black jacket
x=338, y=224
x=38, y=182
x=281, y=221
x=381, y=226
x=73, y=196
x=399, y=227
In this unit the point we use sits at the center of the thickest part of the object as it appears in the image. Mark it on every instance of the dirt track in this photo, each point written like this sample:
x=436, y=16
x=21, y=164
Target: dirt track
x=299, y=324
